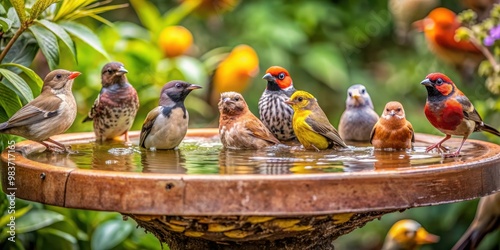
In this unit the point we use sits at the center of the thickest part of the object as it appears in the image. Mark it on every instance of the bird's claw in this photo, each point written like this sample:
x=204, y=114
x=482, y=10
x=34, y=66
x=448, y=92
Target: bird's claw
x=440, y=148
x=452, y=155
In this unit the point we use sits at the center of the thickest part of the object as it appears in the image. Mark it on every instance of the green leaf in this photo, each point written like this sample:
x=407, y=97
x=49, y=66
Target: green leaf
x=62, y=239
x=37, y=219
x=39, y=7
x=22, y=52
x=86, y=35
x=20, y=9
x=17, y=84
x=18, y=214
x=110, y=234
x=326, y=64
x=148, y=14
x=48, y=44
x=61, y=34
x=29, y=72
x=5, y=24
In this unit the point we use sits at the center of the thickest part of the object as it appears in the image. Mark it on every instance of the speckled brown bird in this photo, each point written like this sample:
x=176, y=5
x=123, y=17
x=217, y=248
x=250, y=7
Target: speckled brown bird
x=487, y=220
x=115, y=108
x=392, y=131
x=166, y=125
x=358, y=119
x=407, y=235
x=238, y=127
x=51, y=113
x=274, y=112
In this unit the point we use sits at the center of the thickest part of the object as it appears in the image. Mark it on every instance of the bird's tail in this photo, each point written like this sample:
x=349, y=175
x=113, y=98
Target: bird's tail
x=490, y=129
x=3, y=126
x=88, y=118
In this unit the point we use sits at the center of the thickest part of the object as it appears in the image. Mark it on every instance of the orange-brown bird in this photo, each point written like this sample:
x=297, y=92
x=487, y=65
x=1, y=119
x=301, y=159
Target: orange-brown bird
x=407, y=235
x=238, y=127
x=51, y=113
x=358, y=119
x=439, y=28
x=487, y=220
x=115, y=108
x=273, y=111
x=392, y=131
x=166, y=125
x=451, y=112
x=311, y=125
x=234, y=73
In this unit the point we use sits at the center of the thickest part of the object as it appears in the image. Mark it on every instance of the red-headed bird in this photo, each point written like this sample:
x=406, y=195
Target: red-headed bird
x=439, y=28
x=450, y=111
x=273, y=111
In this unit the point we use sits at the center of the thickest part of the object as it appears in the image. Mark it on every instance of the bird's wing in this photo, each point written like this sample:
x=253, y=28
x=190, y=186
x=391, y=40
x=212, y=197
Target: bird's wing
x=148, y=124
x=325, y=129
x=92, y=111
x=41, y=108
x=468, y=109
x=447, y=40
x=257, y=129
x=373, y=132
x=410, y=127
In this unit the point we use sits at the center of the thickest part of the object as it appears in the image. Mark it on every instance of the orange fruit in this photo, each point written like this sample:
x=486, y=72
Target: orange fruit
x=175, y=40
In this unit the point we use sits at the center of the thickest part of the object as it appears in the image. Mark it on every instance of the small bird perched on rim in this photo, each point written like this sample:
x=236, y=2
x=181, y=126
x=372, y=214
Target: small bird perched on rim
x=116, y=105
x=311, y=126
x=51, y=113
x=274, y=113
x=487, y=220
x=407, y=235
x=356, y=123
x=392, y=129
x=238, y=127
x=166, y=125
x=451, y=112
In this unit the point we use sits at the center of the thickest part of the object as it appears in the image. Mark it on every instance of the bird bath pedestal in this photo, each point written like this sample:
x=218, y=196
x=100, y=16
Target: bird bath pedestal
x=295, y=211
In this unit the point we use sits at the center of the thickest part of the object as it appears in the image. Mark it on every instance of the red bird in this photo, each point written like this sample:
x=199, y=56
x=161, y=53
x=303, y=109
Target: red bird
x=439, y=28
x=450, y=111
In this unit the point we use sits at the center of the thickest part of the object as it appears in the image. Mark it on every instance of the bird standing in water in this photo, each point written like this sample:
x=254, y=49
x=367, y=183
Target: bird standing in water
x=51, y=113
x=166, y=125
x=356, y=123
x=238, y=127
x=115, y=108
x=274, y=113
x=451, y=112
x=392, y=131
x=311, y=125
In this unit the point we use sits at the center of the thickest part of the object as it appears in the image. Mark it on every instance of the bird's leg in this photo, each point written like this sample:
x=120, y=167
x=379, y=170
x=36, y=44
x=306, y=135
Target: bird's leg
x=438, y=145
x=315, y=147
x=457, y=153
x=53, y=148
x=62, y=146
x=127, y=139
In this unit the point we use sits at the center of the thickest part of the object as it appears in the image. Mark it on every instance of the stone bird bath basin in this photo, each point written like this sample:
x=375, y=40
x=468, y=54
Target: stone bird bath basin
x=238, y=209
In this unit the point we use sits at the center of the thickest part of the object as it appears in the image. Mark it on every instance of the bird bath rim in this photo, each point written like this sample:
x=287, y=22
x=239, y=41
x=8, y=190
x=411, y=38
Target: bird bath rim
x=297, y=194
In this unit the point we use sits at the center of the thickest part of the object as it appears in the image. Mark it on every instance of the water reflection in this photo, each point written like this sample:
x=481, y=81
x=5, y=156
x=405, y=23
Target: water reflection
x=206, y=156
x=163, y=161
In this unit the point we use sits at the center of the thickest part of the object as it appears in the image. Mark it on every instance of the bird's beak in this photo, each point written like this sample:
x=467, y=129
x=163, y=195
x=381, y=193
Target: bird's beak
x=227, y=100
x=355, y=94
x=73, y=75
x=423, y=24
x=393, y=113
x=269, y=77
x=289, y=102
x=424, y=237
x=121, y=71
x=193, y=86
x=426, y=82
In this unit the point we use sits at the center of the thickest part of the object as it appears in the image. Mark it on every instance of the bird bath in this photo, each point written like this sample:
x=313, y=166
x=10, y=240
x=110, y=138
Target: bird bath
x=280, y=198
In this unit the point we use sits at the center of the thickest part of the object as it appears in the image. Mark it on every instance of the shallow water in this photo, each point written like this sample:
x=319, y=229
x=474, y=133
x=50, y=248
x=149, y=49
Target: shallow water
x=206, y=156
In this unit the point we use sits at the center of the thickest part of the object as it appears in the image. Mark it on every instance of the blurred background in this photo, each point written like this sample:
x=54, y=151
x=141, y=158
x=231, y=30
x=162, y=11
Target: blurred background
x=325, y=45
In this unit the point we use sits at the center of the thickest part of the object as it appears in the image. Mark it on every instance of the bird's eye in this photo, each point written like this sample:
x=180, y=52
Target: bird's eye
x=398, y=109
x=300, y=99
x=109, y=71
x=281, y=76
x=350, y=94
x=363, y=91
x=58, y=76
x=387, y=110
x=439, y=81
x=178, y=85
x=236, y=99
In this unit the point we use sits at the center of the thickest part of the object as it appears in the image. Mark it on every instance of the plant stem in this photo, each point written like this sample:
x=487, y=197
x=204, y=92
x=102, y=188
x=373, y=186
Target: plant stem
x=486, y=52
x=12, y=41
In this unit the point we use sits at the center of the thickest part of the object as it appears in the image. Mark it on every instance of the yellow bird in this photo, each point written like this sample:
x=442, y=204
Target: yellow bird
x=310, y=124
x=407, y=235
